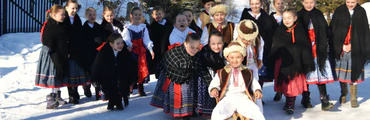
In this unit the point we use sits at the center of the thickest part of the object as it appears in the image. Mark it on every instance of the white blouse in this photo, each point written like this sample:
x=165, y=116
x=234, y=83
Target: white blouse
x=137, y=28
x=179, y=36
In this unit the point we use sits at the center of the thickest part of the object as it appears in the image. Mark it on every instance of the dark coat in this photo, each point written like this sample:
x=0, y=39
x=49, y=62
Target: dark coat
x=74, y=36
x=108, y=28
x=212, y=60
x=160, y=34
x=196, y=28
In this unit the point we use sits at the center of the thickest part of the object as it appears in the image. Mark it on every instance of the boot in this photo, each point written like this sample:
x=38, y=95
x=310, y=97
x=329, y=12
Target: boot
x=119, y=105
x=72, y=95
x=110, y=105
x=344, y=92
x=325, y=104
x=277, y=96
x=306, y=100
x=59, y=99
x=125, y=100
x=87, y=90
x=97, y=95
x=290, y=105
x=51, y=102
x=353, y=90
x=141, y=90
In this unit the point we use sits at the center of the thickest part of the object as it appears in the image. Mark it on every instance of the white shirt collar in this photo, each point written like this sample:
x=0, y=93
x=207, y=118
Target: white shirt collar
x=91, y=25
x=163, y=22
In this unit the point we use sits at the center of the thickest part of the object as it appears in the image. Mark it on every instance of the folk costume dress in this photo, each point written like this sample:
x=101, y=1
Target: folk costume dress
x=350, y=27
x=227, y=30
x=176, y=92
x=178, y=36
x=236, y=86
x=137, y=37
x=266, y=26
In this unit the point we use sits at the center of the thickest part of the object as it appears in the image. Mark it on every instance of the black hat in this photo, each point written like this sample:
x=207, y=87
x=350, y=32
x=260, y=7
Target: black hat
x=205, y=1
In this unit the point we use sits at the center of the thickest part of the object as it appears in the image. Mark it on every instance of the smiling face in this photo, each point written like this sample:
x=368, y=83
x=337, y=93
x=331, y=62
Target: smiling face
x=279, y=5
x=289, y=18
x=91, y=16
x=136, y=17
x=158, y=15
x=215, y=43
x=181, y=22
x=192, y=47
x=219, y=17
x=309, y=4
x=72, y=9
x=208, y=5
x=351, y=4
x=189, y=16
x=117, y=45
x=108, y=16
x=235, y=59
x=255, y=5
x=59, y=15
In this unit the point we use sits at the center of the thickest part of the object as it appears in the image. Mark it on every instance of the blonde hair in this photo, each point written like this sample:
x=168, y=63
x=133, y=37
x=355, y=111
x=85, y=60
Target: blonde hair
x=53, y=10
x=108, y=8
x=89, y=10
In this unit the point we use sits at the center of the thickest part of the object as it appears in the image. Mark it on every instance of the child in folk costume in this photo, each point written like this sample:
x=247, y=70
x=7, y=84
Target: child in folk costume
x=219, y=13
x=213, y=60
x=160, y=30
x=234, y=86
x=136, y=36
x=350, y=47
x=92, y=39
x=77, y=74
x=294, y=57
x=192, y=25
x=109, y=24
x=317, y=28
x=175, y=90
x=266, y=26
x=113, y=70
x=180, y=31
x=204, y=17
x=53, y=67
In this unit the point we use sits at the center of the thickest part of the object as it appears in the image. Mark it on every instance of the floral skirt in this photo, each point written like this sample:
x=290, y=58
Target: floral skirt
x=317, y=77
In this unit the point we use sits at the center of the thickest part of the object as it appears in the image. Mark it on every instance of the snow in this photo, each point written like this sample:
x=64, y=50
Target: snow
x=366, y=6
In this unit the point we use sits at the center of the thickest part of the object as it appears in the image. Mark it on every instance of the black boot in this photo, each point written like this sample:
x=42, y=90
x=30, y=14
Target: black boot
x=306, y=100
x=110, y=104
x=51, y=102
x=141, y=90
x=290, y=105
x=118, y=103
x=72, y=95
x=97, y=95
x=59, y=99
x=277, y=96
x=87, y=90
x=125, y=100
x=344, y=92
x=325, y=104
x=354, y=102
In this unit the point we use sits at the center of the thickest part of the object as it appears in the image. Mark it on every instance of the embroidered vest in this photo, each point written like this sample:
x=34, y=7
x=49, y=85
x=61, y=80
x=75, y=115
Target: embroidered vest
x=224, y=81
x=228, y=31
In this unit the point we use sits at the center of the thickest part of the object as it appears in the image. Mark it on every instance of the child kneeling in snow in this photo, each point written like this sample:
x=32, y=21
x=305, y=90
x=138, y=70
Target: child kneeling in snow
x=234, y=82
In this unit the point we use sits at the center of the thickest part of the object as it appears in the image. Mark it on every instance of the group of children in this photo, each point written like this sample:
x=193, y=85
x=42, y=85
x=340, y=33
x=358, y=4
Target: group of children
x=209, y=66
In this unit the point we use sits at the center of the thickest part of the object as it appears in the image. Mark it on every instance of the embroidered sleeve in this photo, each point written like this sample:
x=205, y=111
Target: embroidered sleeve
x=126, y=36
x=215, y=84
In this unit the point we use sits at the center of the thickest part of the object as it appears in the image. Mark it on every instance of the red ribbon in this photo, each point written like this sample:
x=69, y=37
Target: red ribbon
x=292, y=30
x=177, y=95
x=174, y=45
x=42, y=29
x=312, y=36
x=101, y=46
x=347, y=41
x=139, y=49
x=165, y=85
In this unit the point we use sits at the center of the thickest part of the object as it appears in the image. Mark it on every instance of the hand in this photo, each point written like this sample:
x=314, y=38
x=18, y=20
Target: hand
x=214, y=93
x=347, y=48
x=152, y=53
x=259, y=64
x=129, y=48
x=258, y=94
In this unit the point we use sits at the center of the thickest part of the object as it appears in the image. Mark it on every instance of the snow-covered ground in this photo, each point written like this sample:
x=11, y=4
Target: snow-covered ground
x=21, y=99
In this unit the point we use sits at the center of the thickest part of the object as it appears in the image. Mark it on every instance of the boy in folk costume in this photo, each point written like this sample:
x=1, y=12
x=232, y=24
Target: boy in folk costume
x=204, y=17
x=234, y=86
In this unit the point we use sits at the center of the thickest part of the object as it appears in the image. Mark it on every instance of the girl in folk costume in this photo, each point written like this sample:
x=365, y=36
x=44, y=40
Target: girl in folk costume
x=109, y=24
x=180, y=30
x=136, y=36
x=317, y=28
x=53, y=67
x=160, y=30
x=213, y=60
x=349, y=27
x=219, y=12
x=266, y=26
x=113, y=70
x=294, y=59
x=175, y=90
x=92, y=39
x=234, y=86
x=204, y=17
x=77, y=74
x=278, y=16
x=192, y=25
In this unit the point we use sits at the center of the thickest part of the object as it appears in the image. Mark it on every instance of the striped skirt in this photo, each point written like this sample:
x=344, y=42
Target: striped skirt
x=206, y=104
x=157, y=99
x=343, y=69
x=77, y=74
x=316, y=77
x=187, y=100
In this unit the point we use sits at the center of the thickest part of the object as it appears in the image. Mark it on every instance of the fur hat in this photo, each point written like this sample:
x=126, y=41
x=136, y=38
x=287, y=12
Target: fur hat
x=234, y=47
x=205, y=1
x=218, y=8
x=248, y=30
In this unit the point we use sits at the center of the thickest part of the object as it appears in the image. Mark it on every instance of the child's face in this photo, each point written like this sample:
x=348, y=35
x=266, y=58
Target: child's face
x=289, y=18
x=108, y=16
x=91, y=16
x=235, y=59
x=216, y=44
x=208, y=5
x=158, y=15
x=255, y=5
x=309, y=4
x=181, y=22
x=189, y=16
x=72, y=9
x=279, y=5
x=59, y=15
x=219, y=17
x=351, y=4
x=136, y=16
x=246, y=42
x=117, y=45
x=192, y=47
